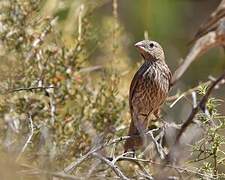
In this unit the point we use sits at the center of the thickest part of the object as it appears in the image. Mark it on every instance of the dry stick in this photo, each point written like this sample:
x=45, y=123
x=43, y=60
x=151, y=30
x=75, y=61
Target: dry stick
x=131, y=159
x=202, y=45
x=158, y=147
x=53, y=108
x=29, y=137
x=155, y=142
x=212, y=21
x=91, y=69
x=201, y=106
x=179, y=96
x=76, y=163
x=116, y=159
x=115, y=168
x=30, y=88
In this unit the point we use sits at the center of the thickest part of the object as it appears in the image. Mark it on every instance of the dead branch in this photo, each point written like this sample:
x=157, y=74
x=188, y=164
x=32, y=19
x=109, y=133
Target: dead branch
x=179, y=96
x=211, y=39
x=115, y=168
x=75, y=164
x=31, y=88
x=72, y=166
x=212, y=22
x=178, y=168
x=29, y=137
x=201, y=106
x=91, y=69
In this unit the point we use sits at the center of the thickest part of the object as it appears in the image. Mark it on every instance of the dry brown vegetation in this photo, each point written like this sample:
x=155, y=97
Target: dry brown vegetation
x=64, y=117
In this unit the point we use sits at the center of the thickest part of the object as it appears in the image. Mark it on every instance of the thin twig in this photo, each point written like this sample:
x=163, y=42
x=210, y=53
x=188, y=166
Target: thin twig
x=158, y=147
x=163, y=165
x=72, y=166
x=115, y=168
x=75, y=164
x=30, y=88
x=53, y=108
x=201, y=106
x=178, y=96
x=211, y=39
x=194, y=99
x=90, y=69
x=80, y=16
x=142, y=168
x=29, y=137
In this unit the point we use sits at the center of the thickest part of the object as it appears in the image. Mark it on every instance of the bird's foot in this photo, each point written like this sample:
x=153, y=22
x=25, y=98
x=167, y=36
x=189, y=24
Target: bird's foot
x=109, y=158
x=130, y=153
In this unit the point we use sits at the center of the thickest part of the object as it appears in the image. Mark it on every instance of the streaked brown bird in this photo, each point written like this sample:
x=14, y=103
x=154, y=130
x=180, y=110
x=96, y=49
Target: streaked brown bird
x=148, y=91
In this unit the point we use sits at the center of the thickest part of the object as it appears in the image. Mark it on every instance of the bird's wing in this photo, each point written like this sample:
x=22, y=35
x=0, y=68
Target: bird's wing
x=134, y=82
x=170, y=79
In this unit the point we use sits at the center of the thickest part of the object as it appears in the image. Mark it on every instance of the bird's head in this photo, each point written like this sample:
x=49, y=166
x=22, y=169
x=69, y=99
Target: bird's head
x=150, y=50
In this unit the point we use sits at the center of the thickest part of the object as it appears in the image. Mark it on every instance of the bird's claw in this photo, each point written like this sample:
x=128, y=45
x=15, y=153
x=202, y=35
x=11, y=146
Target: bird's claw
x=132, y=153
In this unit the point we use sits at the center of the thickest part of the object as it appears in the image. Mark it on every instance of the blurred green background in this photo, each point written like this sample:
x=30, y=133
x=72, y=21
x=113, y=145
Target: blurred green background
x=172, y=23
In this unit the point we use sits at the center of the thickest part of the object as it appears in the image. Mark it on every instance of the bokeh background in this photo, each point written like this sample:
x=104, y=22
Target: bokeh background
x=85, y=49
x=172, y=23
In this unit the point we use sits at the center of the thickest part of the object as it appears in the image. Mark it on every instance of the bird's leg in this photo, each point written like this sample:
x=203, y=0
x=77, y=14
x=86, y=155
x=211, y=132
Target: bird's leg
x=132, y=153
x=109, y=158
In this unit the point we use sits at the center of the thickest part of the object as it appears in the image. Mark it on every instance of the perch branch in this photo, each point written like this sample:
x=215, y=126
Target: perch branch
x=115, y=168
x=76, y=163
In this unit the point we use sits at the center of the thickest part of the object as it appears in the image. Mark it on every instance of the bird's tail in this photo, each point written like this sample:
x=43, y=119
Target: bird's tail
x=137, y=138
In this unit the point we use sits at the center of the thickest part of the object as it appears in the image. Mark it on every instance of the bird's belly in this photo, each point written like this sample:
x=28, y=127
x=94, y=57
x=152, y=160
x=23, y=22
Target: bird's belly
x=149, y=96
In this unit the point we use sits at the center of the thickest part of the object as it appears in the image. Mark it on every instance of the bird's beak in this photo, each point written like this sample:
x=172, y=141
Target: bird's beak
x=140, y=46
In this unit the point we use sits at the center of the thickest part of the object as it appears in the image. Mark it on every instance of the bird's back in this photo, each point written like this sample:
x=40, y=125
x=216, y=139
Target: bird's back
x=148, y=91
x=149, y=87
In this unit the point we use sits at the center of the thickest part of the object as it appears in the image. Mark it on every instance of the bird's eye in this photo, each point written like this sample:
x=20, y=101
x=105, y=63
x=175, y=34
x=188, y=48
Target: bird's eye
x=151, y=45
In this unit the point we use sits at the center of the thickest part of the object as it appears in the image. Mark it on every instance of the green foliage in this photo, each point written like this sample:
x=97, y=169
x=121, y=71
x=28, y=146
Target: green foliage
x=209, y=150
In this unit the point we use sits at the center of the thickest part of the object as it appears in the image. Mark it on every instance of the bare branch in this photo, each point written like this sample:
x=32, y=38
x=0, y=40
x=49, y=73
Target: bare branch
x=201, y=106
x=179, y=168
x=29, y=137
x=94, y=149
x=90, y=69
x=179, y=96
x=75, y=164
x=202, y=45
x=31, y=88
x=115, y=168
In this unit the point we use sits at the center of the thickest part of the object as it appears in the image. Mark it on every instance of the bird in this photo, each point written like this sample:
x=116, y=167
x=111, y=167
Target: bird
x=148, y=91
